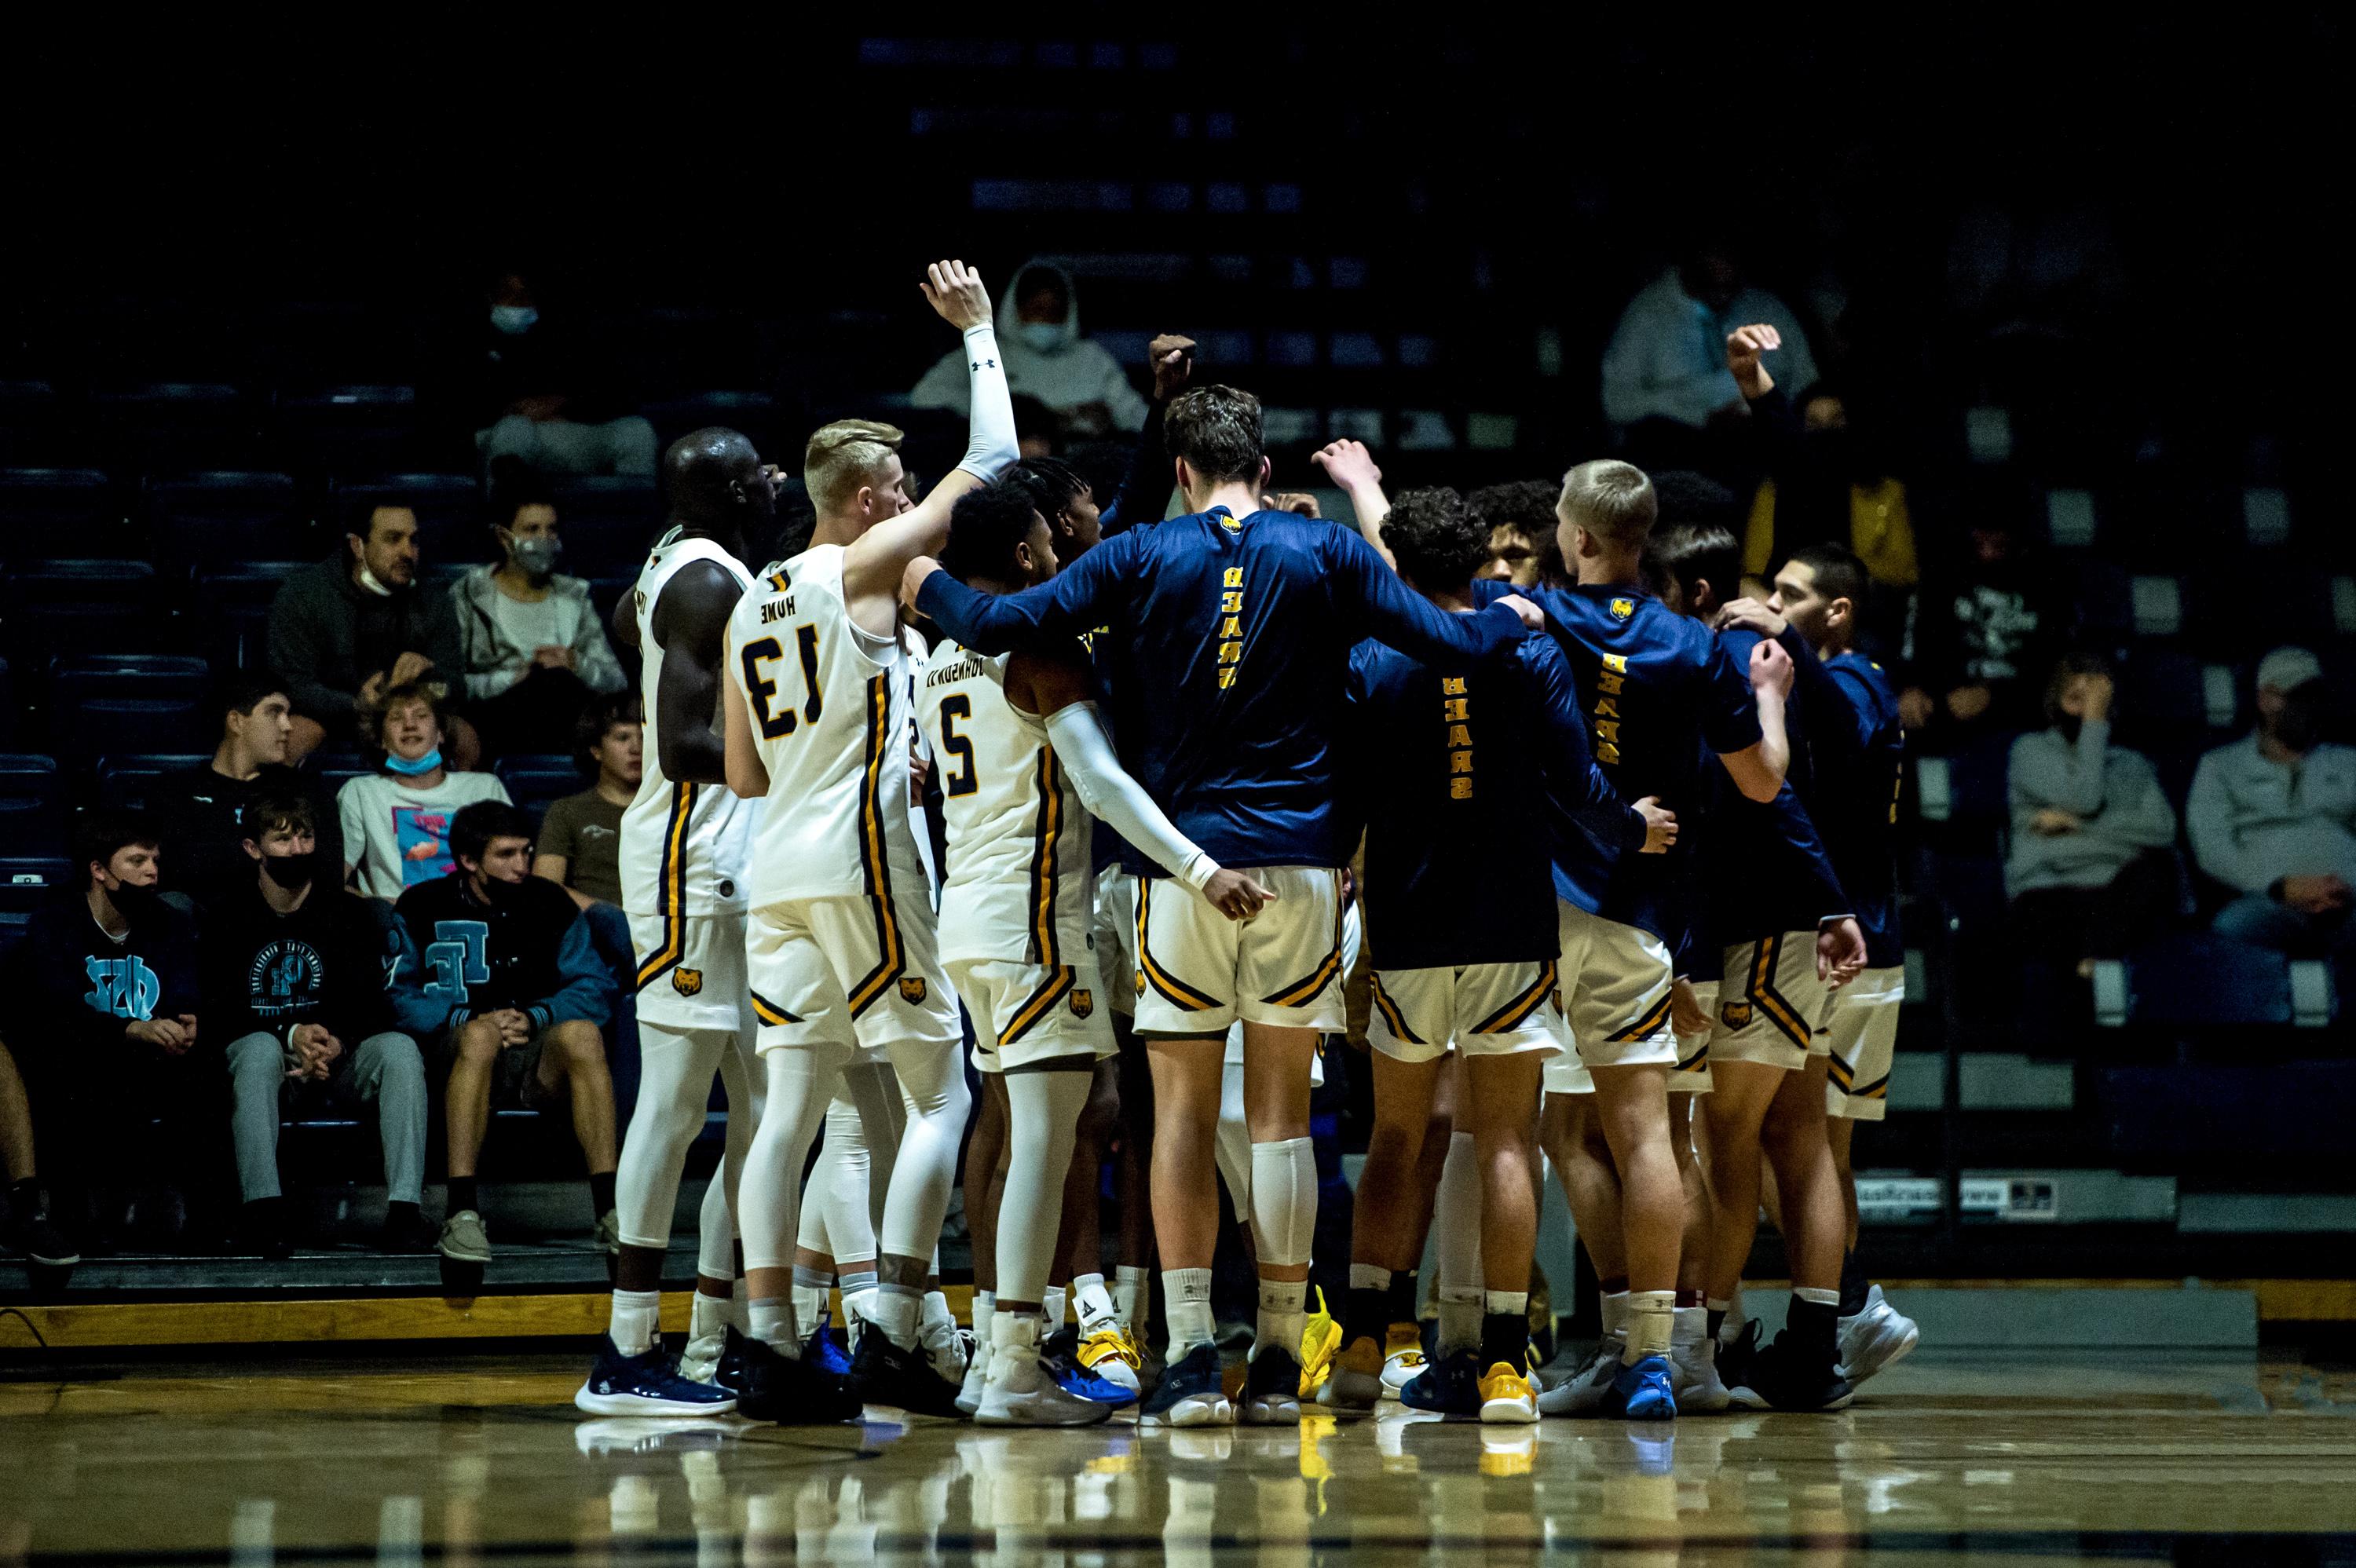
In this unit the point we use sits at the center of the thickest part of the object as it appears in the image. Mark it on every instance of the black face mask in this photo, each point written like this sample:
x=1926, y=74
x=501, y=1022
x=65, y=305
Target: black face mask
x=291, y=871
x=135, y=900
x=2298, y=727
x=504, y=895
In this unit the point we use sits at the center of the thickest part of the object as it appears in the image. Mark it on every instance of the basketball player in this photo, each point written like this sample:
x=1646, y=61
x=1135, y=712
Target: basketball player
x=840, y=940
x=1230, y=639
x=1451, y=762
x=1850, y=717
x=1025, y=763
x=682, y=863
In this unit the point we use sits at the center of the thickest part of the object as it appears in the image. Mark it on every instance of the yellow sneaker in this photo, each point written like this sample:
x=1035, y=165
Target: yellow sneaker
x=1108, y=1351
x=1357, y=1380
x=1321, y=1341
x=1508, y=1397
x=1402, y=1357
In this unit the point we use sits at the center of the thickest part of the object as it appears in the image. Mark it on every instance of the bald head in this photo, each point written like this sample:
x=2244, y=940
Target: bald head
x=715, y=477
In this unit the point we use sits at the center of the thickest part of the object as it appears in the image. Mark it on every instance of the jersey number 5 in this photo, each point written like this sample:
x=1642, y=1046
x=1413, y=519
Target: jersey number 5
x=956, y=745
x=762, y=691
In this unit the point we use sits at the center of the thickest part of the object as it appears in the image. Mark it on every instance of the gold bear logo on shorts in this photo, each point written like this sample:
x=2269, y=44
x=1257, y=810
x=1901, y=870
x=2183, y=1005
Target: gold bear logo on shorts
x=1084, y=1002
x=911, y=989
x=686, y=982
x=1735, y=1015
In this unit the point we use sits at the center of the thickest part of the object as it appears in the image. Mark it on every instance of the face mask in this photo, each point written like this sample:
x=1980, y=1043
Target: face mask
x=2295, y=727
x=512, y=319
x=537, y=556
x=409, y=770
x=134, y=899
x=1041, y=337
x=369, y=580
x=290, y=872
x=506, y=895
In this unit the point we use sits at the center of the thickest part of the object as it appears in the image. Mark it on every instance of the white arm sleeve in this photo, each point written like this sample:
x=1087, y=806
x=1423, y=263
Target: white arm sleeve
x=989, y=448
x=1079, y=734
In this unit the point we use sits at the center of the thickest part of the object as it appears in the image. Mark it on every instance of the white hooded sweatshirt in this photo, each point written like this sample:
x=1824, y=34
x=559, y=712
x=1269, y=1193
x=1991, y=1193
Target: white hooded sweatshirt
x=1066, y=373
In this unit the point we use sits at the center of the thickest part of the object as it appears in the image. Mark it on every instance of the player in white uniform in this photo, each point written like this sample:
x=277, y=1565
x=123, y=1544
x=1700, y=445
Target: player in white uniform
x=839, y=946
x=1024, y=761
x=682, y=866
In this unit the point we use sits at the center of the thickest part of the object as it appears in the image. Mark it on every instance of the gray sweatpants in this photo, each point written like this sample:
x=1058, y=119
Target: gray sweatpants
x=387, y=1071
x=624, y=446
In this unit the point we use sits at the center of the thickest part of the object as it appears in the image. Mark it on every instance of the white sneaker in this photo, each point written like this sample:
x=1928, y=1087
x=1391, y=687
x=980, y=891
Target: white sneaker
x=976, y=1376
x=700, y=1362
x=1403, y=1362
x=1106, y=1349
x=1693, y=1367
x=1021, y=1389
x=1875, y=1337
x=1584, y=1391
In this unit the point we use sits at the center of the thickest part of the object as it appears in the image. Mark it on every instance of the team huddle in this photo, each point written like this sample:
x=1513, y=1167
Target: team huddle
x=1614, y=852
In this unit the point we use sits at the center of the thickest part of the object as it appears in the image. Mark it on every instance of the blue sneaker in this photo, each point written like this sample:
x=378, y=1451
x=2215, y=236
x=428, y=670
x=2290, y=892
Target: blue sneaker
x=646, y=1384
x=1191, y=1393
x=1079, y=1382
x=1641, y=1392
x=825, y=1348
x=1450, y=1385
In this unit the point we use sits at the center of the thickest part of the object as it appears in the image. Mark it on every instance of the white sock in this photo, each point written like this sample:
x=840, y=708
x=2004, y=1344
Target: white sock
x=935, y=1314
x=706, y=1315
x=1369, y=1276
x=1186, y=1302
x=1652, y=1315
x=773, y=1324
x=985, y=1308
x=1129, y=1296
x=810, y=1303
x=894, y=1309
x=1283, y=1316
x=858, y=1308
x=1517, y=1302
x=1052, y=1303
x=1094, y=1301
x=1460, y=1317
x=1615, y=1313
x=1689, y=1326
x=637, y=1315
x=1814, y=1296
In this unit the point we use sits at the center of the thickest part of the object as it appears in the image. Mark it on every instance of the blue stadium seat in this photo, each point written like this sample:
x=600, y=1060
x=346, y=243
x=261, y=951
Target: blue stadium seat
x=535, y=780
x=334, y=769
x=233, y=626
x=348, y=429
x=448, y=509
x=28, y=883
x=109, y=703
x=174, y=426
x=69, y=607
x=53, y=500
x=125, y=777
x=2199, y=980
x=32, y=806
x=207, y=519
x=608, y=524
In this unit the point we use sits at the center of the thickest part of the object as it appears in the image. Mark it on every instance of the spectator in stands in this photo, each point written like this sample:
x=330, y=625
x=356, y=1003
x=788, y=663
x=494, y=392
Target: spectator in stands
x=1667, y=390
x=544, y=397
x=2093, y=871
x=2273, y=816
x=508, y=961
x=396, y=821
x=1519, y=516
x=580, y=838
x=102, y=1020
x=1987, y=623
x=1046, y=359
x=25, y=1226
x=294, y=977
x=536, y=652
x=199, y=815
x=346, y=631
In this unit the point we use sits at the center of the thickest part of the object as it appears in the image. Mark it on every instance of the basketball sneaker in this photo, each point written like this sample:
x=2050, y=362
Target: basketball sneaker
x=1875, y=1337
x=977, y=1378
x=1403, y=1358
x=790, y=1391
x=1029, y=1386
x=715, y=1358
x=1450, y=1386
x=1783, y=1376
x=824, y=1348
x=30, y=1230
x=646, y=1384
x=1272, y=1389
x=1641, y=1392
x=1582, y=1393
x=1104, y=1349
x=1191, y=1393
x=1693, y=1365
x=1508, y=1395
x=906, y=1379
x=1321, y=1341
x=1356, y=1382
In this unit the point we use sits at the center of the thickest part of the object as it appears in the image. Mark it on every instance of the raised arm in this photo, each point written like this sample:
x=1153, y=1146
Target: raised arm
x=872, y=565
x=1352, y=469
x=1394, y=613
x=690, y=622
x=1758, y=767
x=1144, y=493
x=1042, y=620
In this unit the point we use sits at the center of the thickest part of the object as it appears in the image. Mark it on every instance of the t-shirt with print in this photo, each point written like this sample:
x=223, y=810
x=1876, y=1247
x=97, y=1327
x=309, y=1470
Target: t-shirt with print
x=398, y=835
x=586, y=830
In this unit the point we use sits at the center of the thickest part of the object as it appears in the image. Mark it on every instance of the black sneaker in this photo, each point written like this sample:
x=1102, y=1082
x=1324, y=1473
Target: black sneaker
x=884, y=1373
x=264, y=1231
x=31, y=1232
x=1190, y=1393
x=1735, y=1356
x=1783, y=1376
x=406, y=1232
x=1272, y=1390
x=789, y=1390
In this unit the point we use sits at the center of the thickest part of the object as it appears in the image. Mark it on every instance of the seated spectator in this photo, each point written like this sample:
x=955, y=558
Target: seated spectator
x=396, y=821
x=2273, y=816
x=1987, y=623
x=1046, y=359
x=507, y=960
x=293, y=973
x=535, y=648
x=199, y=815
x=1667, y=390
x=2092, y=871
x=546, y=400
x=580, y=838
x=350, y=629
x=104, y=1024
x=1519, y=516
x=27, y=1225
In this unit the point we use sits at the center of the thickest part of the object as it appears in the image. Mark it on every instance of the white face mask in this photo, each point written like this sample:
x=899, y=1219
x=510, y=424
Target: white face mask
x=369, y=580
x=512, y=319
x=1041, y=337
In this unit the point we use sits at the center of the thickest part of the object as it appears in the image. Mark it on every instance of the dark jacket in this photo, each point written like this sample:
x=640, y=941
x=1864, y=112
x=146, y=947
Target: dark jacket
x=199, y=820
x=530, y=950
x=72, y=977
x=327, y=636
x=330, y=962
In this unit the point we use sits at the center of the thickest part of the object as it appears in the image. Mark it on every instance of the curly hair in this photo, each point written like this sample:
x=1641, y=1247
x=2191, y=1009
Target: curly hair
x=1432, y=535
x=985, y=526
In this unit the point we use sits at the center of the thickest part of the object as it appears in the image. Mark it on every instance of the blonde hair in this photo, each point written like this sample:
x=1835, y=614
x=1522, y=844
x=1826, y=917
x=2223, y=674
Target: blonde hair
x=843, y=456
x=1610, y=499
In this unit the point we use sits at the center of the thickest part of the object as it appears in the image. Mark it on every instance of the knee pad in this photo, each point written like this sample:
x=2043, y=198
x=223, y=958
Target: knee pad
x=1284, y=1200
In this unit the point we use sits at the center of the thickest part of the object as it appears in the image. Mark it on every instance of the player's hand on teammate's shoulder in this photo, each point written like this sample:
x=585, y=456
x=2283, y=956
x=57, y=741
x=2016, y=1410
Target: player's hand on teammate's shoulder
x=911, y=578
x=1348, y=463
x=1744, y=346
x=1750, y=615
x=1533, y=618
x=1235, y=895
x=1771, y=669
x=1298, y=501
x=955, y=289
x=1172, y=356
x=1660, y=824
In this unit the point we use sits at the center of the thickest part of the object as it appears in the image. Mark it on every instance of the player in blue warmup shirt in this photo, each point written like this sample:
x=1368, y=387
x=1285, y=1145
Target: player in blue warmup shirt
x=1449, y=764
x=1857, y=746
x=1226, y=652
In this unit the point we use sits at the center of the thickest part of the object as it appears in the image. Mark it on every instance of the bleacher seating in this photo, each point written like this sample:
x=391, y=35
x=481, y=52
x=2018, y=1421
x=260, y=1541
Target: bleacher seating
x=32, y=806
x=125, y=777
x=533, y=782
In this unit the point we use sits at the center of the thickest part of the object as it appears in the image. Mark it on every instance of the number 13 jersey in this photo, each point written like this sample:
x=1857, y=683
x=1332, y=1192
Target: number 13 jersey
x=827, y=703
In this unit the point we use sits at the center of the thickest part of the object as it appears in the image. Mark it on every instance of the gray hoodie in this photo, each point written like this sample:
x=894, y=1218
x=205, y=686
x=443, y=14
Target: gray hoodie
x=2253, y=821
x=1064, y=374
x=2112, y=792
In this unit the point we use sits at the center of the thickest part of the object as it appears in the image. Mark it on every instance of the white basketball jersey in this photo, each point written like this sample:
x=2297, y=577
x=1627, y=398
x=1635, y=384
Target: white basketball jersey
x=828, y=702
x=1018, y=888
x=683, y=845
